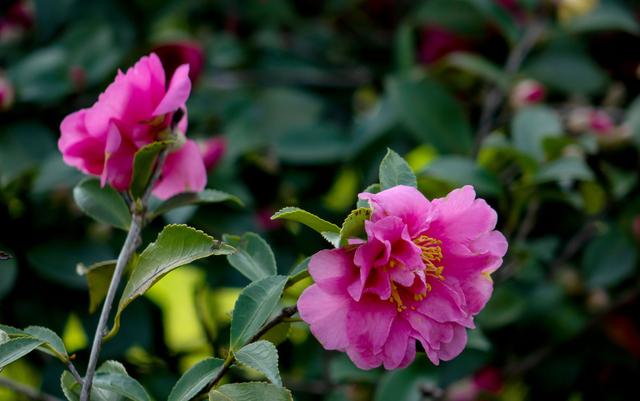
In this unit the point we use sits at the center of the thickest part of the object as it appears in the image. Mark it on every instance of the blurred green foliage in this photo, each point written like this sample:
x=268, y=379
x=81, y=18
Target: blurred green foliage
x=308, y=95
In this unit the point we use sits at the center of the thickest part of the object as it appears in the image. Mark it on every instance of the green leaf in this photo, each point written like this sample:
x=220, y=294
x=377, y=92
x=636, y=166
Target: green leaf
x=177, y=245
x=315, y=144
x=308, y=219
x=4, y=337
x=143, y=166
x=195, y=198
x=565, y=169
x=531, y=126
x=499, y=16
x=250, y=392
x=8, y=274
x=121, y=384
x=332, y=238
x=394, y=170
x=103, y=204
x=353, y=225
x=70, y=387
x=606, y=17
x=479, y=66
x=254, y=257
x=262, y=356
x=404, y=47
x=254, y=306
x=460, y=170
x=195, y=379
x=53, y=344
x=609, y=259
x=374, y=189
x=430, y=113
x=17, y=348
x=98, y=278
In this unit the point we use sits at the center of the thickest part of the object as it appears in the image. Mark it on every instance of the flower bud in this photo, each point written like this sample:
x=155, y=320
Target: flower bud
x=600, y=122
x=526, y=93
x=175, y=54
x=212, y=151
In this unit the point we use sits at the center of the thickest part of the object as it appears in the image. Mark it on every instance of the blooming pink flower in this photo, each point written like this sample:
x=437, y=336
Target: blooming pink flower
x=422, y=274
x=135, y=110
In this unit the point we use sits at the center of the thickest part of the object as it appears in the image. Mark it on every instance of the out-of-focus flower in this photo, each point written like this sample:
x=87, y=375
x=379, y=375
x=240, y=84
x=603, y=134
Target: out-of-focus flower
x=600, y=122
x=422, y=274
x=526, y=93
x=17, y=19
x=488, y=380
x=212, y=151
x=437, y=42
x=6, y=93
x=262, y=218
x=175, y=54
x=135, y=110
x=570, y=9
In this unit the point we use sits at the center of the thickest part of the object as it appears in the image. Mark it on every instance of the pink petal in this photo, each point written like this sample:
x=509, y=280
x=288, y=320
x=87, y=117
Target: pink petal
x=177, y=93
x=444, y=303
x=333, y=270
x=326, y=315
x=399, y=345
x=182, y=171
x=113, y=144
x=450, y=350
x=404, y=202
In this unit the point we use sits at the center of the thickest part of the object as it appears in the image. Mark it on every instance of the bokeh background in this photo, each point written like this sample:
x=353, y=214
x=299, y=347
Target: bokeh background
x=294, y=103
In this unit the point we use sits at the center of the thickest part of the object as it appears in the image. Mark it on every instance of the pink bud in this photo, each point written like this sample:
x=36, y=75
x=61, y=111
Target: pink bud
x=213, y=150
x=488, y=379
x=6, y=93
x=175, y=54
x=526, y=93
x=437, y=43
x=263, y=219
x=600, y=122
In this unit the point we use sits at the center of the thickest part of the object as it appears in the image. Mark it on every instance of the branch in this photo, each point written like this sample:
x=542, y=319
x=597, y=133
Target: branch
x=495, y=96
x=285, y=313
x=27, y=391
x=74, y=372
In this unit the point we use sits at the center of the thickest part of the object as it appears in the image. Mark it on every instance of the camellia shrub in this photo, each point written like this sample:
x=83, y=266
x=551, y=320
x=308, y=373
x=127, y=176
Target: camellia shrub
x=342, y=201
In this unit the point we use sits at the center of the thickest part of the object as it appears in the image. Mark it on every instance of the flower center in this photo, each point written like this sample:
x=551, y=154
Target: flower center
x=431, y=254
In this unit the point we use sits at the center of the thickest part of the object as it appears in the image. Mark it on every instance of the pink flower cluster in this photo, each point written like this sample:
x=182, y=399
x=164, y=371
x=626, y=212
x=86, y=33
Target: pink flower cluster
x=421, y=275
x=137, y=109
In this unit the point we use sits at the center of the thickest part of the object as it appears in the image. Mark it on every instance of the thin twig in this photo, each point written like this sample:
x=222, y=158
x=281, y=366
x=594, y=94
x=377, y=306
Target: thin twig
x=74, y=372
x=285, y=313
x=495, y=96
x=27, y=391
x=127, y=251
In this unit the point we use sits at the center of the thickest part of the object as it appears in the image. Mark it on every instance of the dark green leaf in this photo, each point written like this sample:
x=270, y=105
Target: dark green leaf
x=253, y=257
x=17, y=348
x=143, y=165
x=8, y=274
x=430, y=113
x=195, y=379
x=567, y=168
x=98, y=278
x=53, y=344
x=195, y=198
x=254, y=306
x=607, y=16
x=609, y=259
x=480, y=66
x=103, y=204
x=353, y=225
x=394, y=170
x=459, y=171
x=531, y=126
x=262, y=356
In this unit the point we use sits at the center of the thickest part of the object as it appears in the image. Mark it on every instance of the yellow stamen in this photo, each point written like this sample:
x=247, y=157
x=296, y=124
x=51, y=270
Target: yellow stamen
x=431, y=256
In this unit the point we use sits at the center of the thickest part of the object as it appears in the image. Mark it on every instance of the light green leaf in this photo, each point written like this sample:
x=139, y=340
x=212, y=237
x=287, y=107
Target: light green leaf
x=308, y=219
x=430, y=113
x=263, y=356
x=177, y=245
x=195, y=198
x=195, y=379
x=394, y=170
x=98, y=278
x=250, y=392
x=17, y=348
x=353, y=225
x=254, y=257
x=253, y=307
x=143, y=165
x=53, y=344
x=70, y=387
x=103, y=204
x=531, y=126
x=121, y=384
x=607, y=16
x=111, y=383
x=332, y=238
x=4, y=337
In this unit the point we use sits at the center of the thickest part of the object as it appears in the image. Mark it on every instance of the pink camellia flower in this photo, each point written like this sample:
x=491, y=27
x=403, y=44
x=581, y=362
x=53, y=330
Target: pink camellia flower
x=212, y=151
x=526, y=93
x=422, y=274
x=175, y=54
x=135, y=110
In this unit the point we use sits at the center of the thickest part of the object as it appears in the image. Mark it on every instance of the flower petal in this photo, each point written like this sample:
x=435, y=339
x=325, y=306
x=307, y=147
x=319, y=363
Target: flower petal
x=182, y=171
x=368, y=325
x=333, y=270
x=177, y=93
x=326, y=315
